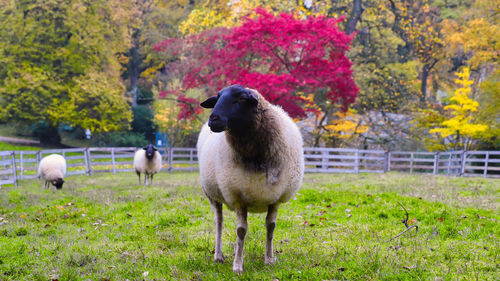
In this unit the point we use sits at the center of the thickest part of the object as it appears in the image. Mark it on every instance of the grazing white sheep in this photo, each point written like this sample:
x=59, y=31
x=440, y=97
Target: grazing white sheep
x=148, y=161
x=52, y=169
x=251, y=161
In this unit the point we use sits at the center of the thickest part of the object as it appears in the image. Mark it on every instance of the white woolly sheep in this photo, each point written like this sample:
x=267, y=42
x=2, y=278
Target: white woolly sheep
x=52, y=169
x=254, y=166
x=148, y=161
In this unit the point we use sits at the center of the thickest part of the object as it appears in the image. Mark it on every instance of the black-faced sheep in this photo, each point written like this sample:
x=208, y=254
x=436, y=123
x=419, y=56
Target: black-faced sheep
x=148, y=161
x=253, y=166
x=52, y=169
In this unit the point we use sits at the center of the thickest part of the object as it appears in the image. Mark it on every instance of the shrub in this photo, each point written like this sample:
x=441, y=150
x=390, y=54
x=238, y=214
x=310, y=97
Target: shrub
x=46, y=133
x=120, y=139
x=143, y=121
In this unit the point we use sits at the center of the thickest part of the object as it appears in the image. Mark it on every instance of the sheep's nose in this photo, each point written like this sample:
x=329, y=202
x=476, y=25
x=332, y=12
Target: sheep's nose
x=214, y=117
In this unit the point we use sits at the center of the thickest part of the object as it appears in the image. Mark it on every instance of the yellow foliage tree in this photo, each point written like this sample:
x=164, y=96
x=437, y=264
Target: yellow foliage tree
x=345, y=125
x=178, y=130
x=460, y=129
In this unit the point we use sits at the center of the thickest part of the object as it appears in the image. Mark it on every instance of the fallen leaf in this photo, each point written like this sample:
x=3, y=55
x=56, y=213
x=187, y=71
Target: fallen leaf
x=23, y=216
x=440, y=219
x=321, y=213
x=347, y=210
x=349, y=215
x=341, y=269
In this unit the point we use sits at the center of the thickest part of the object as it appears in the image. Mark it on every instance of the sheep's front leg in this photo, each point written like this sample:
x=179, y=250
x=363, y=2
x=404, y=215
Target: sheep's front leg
x=151, y=180
x=146, y=178
x=272, y=213
x=218, y=257
x=241, y=231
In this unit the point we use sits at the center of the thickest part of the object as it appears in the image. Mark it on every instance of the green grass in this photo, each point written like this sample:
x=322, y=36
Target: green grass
x=106, y=227
x=7, y=146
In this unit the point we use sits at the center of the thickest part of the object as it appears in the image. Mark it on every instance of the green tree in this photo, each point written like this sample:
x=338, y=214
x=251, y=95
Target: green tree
x=59, y=63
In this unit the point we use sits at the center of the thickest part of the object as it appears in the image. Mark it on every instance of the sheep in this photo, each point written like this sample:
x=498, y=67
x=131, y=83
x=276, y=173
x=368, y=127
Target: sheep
x=52, y=169
x=148, y=161
x=254, y=166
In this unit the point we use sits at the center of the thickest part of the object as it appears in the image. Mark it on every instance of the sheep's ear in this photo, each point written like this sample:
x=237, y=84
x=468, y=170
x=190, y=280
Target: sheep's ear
x=251, y=98
x=210, y=102
x=145, y=148
x=154, y=148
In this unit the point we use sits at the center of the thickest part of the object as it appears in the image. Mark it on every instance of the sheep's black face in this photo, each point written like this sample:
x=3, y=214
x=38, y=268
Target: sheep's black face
x=233, y=109
x=58, y=183
x=150, y=151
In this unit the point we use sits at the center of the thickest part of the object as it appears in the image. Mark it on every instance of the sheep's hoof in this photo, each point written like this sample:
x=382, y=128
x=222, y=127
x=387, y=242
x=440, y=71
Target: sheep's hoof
x=269, y=260
x=219, y=259
x=238, y=269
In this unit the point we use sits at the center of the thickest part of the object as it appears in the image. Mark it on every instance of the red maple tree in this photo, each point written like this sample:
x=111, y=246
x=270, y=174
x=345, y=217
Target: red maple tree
x=280, y=56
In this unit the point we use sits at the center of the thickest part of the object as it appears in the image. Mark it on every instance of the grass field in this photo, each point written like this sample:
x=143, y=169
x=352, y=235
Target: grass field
x=106, y=227
x=7, y=146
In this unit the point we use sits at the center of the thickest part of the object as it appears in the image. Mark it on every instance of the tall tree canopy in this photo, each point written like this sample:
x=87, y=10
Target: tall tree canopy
x=59, y=64
x=281, y=56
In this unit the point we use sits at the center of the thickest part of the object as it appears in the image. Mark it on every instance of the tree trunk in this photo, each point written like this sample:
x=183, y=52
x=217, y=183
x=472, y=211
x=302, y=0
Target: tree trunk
x=134, y=65
x=355, y=16
x=423, y=87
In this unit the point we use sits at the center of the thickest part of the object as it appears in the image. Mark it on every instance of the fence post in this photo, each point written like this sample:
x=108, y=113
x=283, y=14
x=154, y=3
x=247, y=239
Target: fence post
x=411, y=163
x=88, y=165
x=14, y=170
x=356, y=161
x=386, y=161
x=449, y=163
x=170, y=161
x=113, y=159
x=389, y=156
x=191, y=160
x=436, y=163
x=486, y=160
x=21, y=165
x=324, y=160
x=38, y=160
x=462, y=164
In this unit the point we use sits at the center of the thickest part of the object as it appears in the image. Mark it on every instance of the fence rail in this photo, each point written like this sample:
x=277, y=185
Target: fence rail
x=16, y=165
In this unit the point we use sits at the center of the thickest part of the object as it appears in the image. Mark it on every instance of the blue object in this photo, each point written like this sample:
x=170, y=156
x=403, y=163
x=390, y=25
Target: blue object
x=161, y=140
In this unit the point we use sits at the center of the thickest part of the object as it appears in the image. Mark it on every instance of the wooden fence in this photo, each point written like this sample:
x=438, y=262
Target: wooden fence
x=15, y=165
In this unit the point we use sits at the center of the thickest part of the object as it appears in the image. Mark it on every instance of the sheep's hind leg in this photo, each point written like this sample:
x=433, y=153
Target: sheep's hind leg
x=218, y=256
x=241, y=231
x=272, y=213
x=151, y=180
x=146, y=176
x=139, y=176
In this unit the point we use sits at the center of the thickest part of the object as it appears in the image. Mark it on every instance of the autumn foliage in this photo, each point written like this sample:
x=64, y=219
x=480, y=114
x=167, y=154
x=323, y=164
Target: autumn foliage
x=283, y=57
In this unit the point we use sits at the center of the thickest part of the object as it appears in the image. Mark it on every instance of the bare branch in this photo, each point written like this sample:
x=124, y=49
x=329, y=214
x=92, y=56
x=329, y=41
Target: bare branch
x=405, y=221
